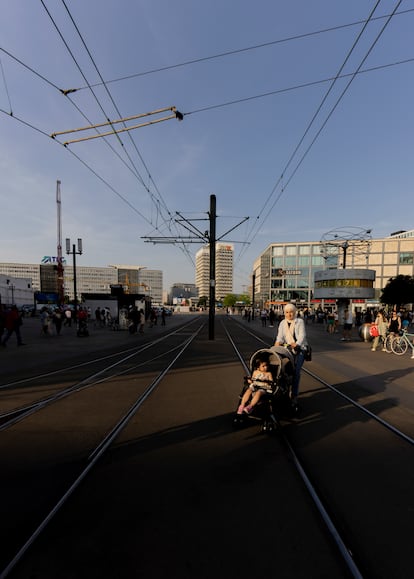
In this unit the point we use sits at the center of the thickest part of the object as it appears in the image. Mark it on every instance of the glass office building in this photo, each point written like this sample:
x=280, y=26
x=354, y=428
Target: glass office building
x=286, y=271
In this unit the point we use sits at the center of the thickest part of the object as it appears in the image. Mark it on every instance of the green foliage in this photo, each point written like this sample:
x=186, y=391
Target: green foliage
x=202, y=301
x=244, y=298
x=398, y=291
x=231, y=300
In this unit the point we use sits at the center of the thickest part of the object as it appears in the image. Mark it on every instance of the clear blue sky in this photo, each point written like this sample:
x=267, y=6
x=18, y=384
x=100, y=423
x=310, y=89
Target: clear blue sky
x=261, y=156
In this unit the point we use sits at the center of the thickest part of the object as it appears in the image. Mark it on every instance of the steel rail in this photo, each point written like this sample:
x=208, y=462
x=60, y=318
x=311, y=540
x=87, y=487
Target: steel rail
x=334, y=533
x=100, y=449
x=18, y=414
x=362, y=408
x=89, y=362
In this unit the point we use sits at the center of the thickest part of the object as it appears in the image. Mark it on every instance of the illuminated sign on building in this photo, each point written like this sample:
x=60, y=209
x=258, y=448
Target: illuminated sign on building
x=52, y=259
x=344, y=283
x=282, y=272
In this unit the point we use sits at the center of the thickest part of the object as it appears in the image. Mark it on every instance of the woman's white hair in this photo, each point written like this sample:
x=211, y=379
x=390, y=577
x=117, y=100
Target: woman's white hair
x=290, y=308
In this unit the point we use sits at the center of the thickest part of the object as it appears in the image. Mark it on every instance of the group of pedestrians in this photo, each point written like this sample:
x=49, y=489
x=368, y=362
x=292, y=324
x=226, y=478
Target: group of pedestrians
x=53, y=319
x=137, y=320
x=393, y=325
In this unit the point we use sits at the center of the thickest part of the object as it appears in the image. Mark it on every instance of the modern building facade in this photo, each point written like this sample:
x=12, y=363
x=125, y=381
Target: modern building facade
x=182, y=292
x=138, y=279
x=286, y=271
x=15, y=290
x=223, y=270
x=89, y=280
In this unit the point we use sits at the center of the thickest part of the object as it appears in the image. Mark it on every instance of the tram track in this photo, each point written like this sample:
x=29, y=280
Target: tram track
x=93, y=455
x=318, y=502
x=324, y=483
x=163, y=468
x=103, y=373
x=325, y=384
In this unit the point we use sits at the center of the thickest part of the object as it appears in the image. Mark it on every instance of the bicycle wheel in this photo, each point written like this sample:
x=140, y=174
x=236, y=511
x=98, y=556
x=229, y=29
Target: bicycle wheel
x=387, y=343
x=399, y=345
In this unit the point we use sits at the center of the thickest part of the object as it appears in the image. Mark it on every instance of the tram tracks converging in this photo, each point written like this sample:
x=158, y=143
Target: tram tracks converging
x=128, y=428
x=337, y=515
x=98, y=451
x=174, y=352
x=319, y=379
x=104, y=373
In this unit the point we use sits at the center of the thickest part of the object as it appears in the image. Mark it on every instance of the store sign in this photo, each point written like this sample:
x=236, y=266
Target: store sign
x=282, y=272
x=52, y=259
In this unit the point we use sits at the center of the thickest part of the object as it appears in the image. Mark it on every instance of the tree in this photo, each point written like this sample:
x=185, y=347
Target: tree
x=202, y=301
x=244, y=298
x=398, y=291
x=229, y=300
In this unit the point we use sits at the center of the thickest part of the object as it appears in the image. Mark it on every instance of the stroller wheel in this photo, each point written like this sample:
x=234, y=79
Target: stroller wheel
x=238, y=421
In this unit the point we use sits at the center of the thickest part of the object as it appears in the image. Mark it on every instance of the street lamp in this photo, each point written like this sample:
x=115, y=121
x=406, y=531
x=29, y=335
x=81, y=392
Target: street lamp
x=12, y=288
x=73, y=251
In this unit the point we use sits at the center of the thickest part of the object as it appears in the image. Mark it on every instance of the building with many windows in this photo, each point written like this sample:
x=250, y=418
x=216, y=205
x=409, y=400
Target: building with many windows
x=89, y=280
x=137, y=279
x=286, y=271
x=182, y=293
x=224, y=270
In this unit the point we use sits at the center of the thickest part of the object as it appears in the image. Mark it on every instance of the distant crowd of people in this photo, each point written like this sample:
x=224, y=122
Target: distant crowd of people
x=53, y=318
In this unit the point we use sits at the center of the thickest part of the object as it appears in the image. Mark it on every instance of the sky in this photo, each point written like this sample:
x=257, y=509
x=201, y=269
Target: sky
x=297, y=117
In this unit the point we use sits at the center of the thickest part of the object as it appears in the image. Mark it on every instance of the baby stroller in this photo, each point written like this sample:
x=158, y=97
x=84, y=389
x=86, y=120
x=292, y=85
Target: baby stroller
x=277, y=397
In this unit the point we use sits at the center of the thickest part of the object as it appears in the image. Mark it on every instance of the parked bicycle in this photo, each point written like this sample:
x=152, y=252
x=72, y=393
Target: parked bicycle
x=400, y=344
x=387, y=343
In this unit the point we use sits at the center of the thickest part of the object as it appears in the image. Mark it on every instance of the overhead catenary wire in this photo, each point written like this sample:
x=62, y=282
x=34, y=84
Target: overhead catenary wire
x=304, y=155
x=89, y=168
x=287, y=182
x=84, y=77
x=158, y=202
x=238, y=51
x=161, y=201
x=6, y=87
x=311, y=122
x=84, y=163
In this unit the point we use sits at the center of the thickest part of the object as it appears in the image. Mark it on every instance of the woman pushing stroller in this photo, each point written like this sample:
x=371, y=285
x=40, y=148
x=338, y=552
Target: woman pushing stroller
x=292, y=335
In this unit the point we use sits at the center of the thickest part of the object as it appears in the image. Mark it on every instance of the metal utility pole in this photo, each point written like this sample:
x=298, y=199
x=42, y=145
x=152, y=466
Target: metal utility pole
x=60, y=269
x=74, y=252
x=207, y=236
x=253, y=292
x=212, y=293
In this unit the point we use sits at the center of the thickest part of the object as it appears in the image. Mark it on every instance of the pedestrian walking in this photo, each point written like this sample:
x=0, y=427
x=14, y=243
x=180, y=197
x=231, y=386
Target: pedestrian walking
x=348, y=322
x=44, y=321
x=382, y=325
x=292, y=334
x=12, y=323
x=141, y=321
x=68, y=318
x=57, y=319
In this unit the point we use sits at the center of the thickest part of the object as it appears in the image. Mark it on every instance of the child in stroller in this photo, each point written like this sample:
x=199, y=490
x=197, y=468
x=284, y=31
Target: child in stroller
x=260, y=383
x=267, y=388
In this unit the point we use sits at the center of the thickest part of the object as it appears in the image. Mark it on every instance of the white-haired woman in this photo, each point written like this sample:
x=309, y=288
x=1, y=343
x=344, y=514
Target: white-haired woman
x=292, y=334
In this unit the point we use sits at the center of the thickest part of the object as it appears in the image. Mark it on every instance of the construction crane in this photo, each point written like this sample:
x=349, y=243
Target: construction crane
x=60, y=269
x=128, y=285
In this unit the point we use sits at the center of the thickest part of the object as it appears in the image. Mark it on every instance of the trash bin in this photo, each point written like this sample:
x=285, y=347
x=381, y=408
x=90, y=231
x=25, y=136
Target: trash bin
x=364, y=332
